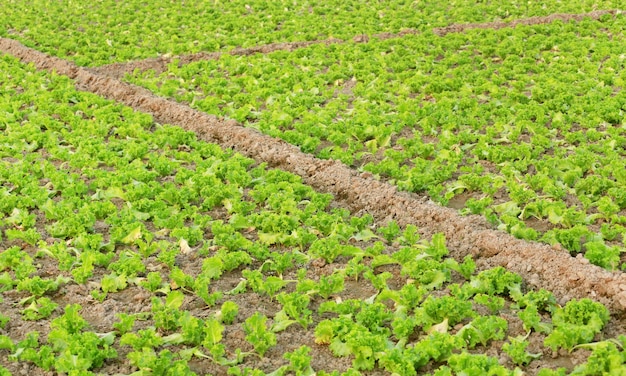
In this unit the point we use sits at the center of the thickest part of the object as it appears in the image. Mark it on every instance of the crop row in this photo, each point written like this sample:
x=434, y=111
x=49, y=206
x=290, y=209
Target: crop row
x=99, y=32
x=97, y=198
x=524, y=125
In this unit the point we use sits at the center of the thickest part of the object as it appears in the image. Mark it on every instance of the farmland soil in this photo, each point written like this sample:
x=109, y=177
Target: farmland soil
x=160, y=64
x=135, y=300
x=565, y=17
x=540, y=264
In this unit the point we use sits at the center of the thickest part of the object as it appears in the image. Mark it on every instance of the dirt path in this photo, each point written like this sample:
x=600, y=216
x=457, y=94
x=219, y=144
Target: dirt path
x=565, y=17
x=159, y=64
x=539, y=264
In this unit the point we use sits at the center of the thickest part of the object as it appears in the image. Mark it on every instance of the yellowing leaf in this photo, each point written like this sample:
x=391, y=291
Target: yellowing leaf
x=133, y=235
x=442, y=327
x=174, y=299
x=112, y=192
x=364, y=235
x=184, y=246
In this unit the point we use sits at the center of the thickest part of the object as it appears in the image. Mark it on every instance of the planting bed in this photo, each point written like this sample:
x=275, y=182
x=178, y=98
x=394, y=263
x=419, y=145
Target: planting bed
x=520, y=125
x=127, y=242
x=128, y=245
x=93, y=33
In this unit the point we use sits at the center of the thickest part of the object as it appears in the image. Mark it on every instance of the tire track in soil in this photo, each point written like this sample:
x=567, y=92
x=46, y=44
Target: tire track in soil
x=540, y=265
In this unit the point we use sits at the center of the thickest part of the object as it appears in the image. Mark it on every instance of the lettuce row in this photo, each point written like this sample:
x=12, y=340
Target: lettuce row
x=520, y=125
x=101, y=32
x=119, y=202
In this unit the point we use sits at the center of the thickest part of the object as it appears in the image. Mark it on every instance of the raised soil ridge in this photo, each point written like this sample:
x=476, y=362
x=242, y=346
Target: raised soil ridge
x=565, y=17
x=541, y=266
x=160, y=64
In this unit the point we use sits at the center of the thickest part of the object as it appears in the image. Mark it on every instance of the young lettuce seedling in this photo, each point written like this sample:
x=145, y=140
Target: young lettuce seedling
x=258, y=334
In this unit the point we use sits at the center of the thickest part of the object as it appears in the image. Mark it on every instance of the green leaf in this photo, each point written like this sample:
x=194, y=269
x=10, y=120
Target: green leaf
x=174, y=299
x=281, y=322
x=257, y=333
x=213, y=331
x=576, y=323
x=212, y=267
x=516, y=350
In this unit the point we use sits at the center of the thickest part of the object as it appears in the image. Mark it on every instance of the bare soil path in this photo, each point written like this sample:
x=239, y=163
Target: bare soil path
x=540, y=265
x=565, y=17
x=159, y=64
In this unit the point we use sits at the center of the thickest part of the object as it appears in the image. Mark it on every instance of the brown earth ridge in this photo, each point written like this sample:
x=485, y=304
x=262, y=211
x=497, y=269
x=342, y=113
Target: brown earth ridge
x=159, y=64
x=565, y=17
x=541, y=266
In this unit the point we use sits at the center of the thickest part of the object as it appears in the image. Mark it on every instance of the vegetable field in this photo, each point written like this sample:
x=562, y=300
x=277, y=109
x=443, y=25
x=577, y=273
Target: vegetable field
x=312, y=188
